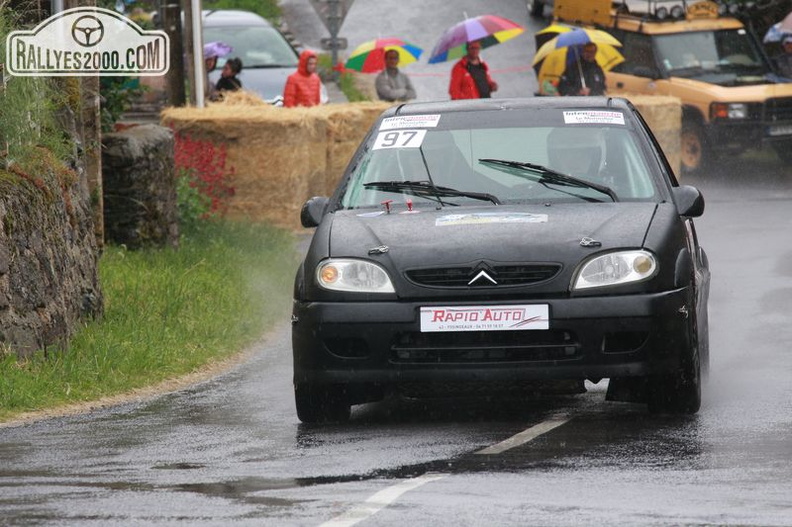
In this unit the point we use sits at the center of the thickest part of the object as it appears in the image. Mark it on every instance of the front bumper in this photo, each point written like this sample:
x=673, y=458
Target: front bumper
x=372, y=343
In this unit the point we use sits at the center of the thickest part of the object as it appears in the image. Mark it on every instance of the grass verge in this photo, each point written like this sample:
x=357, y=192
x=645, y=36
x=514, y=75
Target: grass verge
x=167, y=313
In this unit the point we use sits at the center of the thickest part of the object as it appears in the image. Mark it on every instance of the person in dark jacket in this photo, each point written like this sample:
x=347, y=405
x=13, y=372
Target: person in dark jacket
x=583, y=76
x=228, y=80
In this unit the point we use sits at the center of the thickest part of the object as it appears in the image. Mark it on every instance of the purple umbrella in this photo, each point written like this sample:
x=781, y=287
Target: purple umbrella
x=216, y=49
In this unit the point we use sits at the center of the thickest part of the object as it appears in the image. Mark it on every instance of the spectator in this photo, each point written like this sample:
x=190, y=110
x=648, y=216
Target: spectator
x=783, y=60
x=470, y=78
x=303, y=87
x=393, y=85
x=583, y=76
x=228, y=80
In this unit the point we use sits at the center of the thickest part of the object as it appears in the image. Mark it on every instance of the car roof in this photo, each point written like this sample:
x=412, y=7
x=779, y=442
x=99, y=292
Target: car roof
x=233, y=17
x=473, y=105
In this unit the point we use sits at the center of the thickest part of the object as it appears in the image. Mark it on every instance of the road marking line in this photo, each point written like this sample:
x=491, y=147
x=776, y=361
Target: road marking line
x=380, y=500
x=526, y=435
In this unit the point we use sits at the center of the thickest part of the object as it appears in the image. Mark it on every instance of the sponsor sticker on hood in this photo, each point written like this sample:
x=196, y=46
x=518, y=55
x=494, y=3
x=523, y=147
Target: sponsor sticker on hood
x=490, y=217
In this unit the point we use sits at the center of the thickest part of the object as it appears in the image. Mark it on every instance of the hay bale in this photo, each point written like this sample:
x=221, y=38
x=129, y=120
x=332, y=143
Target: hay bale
x=663, y=114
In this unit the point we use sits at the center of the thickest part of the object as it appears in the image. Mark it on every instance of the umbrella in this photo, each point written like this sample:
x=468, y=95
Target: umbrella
x=553, y=30
x=369, y=57
x=553, y=57
x=487, y=29
x=216, y=49
x=778, y=31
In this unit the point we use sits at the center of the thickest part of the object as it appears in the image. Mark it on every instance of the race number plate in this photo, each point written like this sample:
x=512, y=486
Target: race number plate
x=485, y=318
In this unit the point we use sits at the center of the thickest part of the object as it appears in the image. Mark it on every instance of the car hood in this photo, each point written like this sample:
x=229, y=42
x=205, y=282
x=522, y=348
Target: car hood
x=495, y=234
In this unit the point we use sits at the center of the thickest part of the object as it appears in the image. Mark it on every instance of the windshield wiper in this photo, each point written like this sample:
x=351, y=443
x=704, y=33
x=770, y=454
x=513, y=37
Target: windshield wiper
x=548, y=175
x=426, y=189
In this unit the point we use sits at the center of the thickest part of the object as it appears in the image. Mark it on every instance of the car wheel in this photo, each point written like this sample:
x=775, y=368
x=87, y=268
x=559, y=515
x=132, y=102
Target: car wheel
x=678, y=392
x=693, y=147
x=321, y=404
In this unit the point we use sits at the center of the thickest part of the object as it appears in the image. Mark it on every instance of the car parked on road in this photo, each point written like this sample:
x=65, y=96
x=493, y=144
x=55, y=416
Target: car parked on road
x=268, y=58
x=486, y=245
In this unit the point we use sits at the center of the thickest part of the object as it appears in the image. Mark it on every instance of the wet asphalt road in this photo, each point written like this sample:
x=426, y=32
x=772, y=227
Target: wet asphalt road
x=232, y=452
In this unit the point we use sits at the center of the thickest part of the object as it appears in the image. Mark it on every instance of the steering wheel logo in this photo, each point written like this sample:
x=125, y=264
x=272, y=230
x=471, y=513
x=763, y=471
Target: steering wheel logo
x=87, y=31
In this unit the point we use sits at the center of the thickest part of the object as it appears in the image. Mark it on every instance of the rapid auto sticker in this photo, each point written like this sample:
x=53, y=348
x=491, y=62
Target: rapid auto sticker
x=593, y=117
x=410, y=121
x=399, y=139
x=490, y=217
x=485, y=318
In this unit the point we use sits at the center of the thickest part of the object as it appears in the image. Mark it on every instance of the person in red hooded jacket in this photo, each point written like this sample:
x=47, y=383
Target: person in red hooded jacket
x=470, y=78
x=303, y=87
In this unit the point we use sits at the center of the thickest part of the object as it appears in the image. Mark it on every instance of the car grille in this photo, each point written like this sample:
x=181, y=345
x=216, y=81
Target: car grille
x=504, y=275
x=485, y=347
x=777, y=110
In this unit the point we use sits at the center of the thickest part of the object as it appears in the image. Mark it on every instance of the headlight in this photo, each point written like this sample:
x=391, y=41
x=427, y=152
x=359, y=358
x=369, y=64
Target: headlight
x=735, y=110
x=358, y=276
x=615, y=268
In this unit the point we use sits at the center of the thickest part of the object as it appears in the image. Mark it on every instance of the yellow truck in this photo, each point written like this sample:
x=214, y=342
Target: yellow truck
x=732, y=97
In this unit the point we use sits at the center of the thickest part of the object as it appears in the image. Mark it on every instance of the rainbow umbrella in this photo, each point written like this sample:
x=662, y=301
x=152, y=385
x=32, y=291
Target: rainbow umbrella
x=487, y=29
x=369, y=57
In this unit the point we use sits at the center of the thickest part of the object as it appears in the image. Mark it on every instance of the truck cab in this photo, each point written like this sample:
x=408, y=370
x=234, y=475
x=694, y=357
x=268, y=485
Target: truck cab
x=732, y=99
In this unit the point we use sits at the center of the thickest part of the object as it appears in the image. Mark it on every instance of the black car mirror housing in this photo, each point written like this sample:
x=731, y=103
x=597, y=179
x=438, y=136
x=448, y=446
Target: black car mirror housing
x=313, y=210
x=689, y=201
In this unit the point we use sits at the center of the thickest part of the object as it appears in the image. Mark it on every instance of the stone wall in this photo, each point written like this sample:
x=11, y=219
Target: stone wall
x=48, y=257
x=139, y=187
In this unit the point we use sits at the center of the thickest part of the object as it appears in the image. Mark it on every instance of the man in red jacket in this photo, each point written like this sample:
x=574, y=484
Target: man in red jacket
x=303, y=87
x=470, y=78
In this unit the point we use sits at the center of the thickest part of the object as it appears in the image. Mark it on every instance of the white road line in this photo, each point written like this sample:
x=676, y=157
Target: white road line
x=380, y=500
x=385, y=497
x=526, y=435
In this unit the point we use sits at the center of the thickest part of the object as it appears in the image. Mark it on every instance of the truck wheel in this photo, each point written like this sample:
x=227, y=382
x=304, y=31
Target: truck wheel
x=693, y=148
x=536, y=8
x=784, y=151
x=321, y=404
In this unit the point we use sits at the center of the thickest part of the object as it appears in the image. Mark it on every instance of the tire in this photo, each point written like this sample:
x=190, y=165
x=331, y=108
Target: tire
x=784, y=152
x=693, y=148
x=536, y=8
x=321, y=404
x=678, y=392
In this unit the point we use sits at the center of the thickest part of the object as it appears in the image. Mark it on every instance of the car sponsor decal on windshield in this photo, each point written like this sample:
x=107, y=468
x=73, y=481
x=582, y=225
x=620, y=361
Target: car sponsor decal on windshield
x=485, y=318
x=593, y=117
x=490, y=217
x=410, y=121
x=399, y=139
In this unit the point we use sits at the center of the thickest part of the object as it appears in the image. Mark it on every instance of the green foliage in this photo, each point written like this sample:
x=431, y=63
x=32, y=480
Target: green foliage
x=346, y=81
x=117, y=96
x=194, y=205
x=268, y=9
x=28, y=108
x=167, y=313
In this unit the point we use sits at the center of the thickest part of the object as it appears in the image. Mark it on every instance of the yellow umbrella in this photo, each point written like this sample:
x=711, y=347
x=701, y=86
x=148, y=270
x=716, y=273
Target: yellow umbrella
x=552, y=58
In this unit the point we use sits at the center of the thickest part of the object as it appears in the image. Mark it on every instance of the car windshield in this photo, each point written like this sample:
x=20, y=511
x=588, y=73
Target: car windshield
x=463, y=164
x=701, y=52
x=257, y=46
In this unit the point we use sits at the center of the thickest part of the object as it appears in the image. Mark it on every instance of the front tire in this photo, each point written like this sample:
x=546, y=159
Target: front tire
x=694, y=151
x=678, y=392
x=321, y=404
x=784, y=152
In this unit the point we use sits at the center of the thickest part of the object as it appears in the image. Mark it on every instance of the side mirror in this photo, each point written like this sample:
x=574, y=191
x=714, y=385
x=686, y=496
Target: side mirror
x=689, y=201
x=313, y=210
